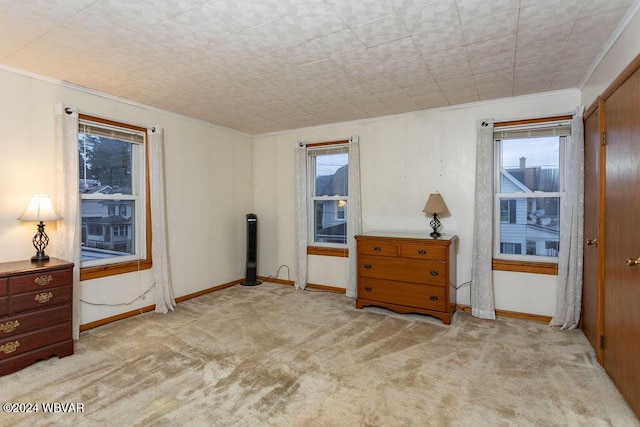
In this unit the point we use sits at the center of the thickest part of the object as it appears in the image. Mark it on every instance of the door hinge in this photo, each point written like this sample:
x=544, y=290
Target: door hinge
x=603, y=138
x=601, y=342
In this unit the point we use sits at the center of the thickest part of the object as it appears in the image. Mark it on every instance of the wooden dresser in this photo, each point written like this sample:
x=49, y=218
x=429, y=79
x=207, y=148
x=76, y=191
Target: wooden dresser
x=35, y=312
x=408, y=273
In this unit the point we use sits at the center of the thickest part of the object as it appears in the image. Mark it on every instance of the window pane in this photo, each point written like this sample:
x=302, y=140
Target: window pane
x=330, y=221
x=105, y=165
x=107, y=228
x=331, y=174
x=536, y=227
x=508, y=210
x=530, y=164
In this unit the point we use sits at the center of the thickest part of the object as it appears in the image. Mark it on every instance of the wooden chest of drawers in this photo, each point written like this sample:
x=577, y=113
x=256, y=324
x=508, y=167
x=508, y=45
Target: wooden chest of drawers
x=407, y=273
x=35, y=312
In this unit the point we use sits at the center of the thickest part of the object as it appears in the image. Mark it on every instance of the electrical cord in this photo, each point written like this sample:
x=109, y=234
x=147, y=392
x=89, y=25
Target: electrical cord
x=462, y=285
x=121, y=303
x=290, y=281
x=278, y=272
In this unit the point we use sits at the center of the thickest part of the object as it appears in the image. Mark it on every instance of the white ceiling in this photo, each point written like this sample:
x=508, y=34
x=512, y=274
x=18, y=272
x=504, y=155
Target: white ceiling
x=260, y=66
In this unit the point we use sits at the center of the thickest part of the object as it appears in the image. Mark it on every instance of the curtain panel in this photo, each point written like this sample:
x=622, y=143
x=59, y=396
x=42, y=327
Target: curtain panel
x=354, y=217
x=67, y=200
x=165, y=300
x=302, y=238
x=482, y=299
x=570, y=261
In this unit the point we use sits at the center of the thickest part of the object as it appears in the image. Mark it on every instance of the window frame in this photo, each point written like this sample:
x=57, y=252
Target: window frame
x=524, y=263
x=144, y=260
x=322, y=247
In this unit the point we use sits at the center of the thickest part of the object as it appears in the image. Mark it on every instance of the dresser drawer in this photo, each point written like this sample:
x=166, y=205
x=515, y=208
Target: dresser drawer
x=378, y=247
x=423, y=251
x=38, y=281
x=405, y=270
x=4, y=306
x=408, y=294
x=27, y=322
x=41, y=299
x=12, y=346
x=3, y=288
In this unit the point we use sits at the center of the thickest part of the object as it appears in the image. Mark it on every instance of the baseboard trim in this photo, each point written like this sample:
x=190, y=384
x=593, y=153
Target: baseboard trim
x=141, y=310
x=309, y=285
x=326, y=288
x=209, y=290
x=511, y=314
x=274, y=280
x=120, y=316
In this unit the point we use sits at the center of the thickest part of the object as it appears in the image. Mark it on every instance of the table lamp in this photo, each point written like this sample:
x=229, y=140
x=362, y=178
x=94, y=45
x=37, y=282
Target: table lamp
x=40, y=209
x=435, y=206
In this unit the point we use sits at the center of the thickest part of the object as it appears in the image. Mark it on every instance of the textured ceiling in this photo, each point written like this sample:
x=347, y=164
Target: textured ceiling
x=266, y=65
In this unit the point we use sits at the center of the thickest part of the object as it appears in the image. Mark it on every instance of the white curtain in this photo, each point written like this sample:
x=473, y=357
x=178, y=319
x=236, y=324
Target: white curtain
x=67, y=200
x=302, y=231
x=482, y=300
x=159, y=247
x=354, y=213
x=569, y=285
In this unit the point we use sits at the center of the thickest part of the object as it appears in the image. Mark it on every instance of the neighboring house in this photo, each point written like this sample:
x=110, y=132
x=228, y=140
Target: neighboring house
x=333, y=214
x=107, y=225
x=529, y=226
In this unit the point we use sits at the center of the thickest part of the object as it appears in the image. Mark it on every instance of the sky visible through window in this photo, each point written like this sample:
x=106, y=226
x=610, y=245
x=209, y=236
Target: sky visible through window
x=537, y=151
x=329, y=164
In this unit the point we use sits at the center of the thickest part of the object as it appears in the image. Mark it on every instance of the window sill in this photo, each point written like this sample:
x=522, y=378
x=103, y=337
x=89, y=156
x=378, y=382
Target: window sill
x=525, y=266
x=319, y=250
x=113, y=269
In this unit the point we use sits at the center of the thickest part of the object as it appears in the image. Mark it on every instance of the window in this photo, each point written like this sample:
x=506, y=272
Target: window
x=508, y=211
x=528, y=189
x=328, y=194
x=510, y=248
x=113, y=190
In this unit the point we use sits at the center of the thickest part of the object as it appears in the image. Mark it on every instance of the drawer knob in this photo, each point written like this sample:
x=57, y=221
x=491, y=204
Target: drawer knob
x=434, y=298
x=434, y=272
x=9, y=326
x=367, y=266
x=422, y=251
x=9, y=347
x=43, y=280
x=43, y=297
x=368, y=288
x=377, y=248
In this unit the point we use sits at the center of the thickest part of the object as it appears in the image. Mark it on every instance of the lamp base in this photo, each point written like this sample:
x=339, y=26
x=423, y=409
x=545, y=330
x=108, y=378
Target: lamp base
x=40, y=242
x=435, y=224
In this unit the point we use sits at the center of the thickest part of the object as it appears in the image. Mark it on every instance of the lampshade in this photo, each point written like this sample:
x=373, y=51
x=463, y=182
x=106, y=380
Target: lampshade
x=435, y=205
x=40, y=208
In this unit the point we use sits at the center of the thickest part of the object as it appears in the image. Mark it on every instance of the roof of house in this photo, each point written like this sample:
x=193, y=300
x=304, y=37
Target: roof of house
x=338, y=183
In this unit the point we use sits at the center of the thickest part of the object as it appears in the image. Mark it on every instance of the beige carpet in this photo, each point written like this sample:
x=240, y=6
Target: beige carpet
x=270, y=355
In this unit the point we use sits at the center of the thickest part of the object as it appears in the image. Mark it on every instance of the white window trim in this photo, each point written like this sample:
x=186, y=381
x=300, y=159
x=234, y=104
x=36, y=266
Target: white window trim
x=497, y=196
x=311, y=182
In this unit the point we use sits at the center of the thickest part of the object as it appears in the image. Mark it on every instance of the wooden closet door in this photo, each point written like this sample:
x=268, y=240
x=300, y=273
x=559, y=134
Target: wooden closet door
x=622, y=286
x=591, y=322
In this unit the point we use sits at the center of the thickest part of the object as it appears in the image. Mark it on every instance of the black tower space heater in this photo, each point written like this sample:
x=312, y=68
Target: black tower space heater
x=251, y=278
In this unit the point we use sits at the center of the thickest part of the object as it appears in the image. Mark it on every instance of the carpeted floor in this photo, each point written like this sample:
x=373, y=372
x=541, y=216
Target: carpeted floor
x=270, y=355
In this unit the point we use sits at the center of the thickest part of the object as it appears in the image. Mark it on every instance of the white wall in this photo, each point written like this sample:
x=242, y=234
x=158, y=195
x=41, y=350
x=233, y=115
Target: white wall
x=403, y=159
x=621, y=53
x=209, y=179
